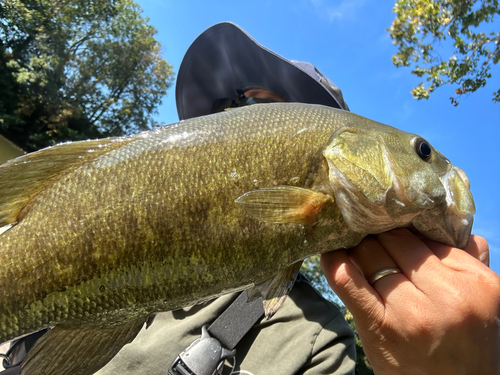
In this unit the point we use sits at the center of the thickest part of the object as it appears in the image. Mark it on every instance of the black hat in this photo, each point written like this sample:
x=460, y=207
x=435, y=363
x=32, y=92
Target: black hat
x=224, y=60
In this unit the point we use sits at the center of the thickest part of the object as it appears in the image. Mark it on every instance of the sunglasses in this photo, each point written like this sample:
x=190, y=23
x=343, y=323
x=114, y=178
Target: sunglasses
x=239, y=100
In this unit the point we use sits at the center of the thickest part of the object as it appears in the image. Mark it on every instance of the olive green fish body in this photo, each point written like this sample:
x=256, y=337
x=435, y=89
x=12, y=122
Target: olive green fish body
x=143, y=226
x=114, y=230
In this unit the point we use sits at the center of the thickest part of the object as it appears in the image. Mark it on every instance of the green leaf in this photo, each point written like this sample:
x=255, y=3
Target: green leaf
x=423, y=29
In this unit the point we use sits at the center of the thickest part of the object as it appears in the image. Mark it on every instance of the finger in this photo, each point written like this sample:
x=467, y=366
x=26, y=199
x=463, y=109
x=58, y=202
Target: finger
x=371, y=258
x=411, y=254
x=350, y=285
x=458, y=259
x=478, y=247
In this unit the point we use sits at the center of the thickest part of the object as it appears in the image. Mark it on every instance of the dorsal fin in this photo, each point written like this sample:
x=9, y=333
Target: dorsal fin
x=23, y=177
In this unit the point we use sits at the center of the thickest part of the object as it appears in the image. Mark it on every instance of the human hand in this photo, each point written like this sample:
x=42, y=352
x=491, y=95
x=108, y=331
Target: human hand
x=438, y=316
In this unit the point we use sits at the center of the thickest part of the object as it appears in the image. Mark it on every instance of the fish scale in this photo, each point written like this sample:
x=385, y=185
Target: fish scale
x=187, y=212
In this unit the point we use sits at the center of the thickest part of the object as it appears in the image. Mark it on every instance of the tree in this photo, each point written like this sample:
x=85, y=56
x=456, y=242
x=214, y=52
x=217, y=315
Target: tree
x=77, y=69
x=312, y=270
x=421, y=25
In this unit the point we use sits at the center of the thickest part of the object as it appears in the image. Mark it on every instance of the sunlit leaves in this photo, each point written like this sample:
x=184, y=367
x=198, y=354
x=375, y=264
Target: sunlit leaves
x=425, y=31
x=77, y=69
x=312, y=270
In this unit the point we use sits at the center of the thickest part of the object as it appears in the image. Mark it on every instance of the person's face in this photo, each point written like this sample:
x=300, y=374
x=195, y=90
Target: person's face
x=264, y=94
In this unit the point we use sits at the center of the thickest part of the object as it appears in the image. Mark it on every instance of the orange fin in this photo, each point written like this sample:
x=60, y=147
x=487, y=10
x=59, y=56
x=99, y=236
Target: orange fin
x=284, y=204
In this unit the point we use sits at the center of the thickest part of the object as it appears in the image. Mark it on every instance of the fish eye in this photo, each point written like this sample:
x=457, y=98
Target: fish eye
x=423, y=149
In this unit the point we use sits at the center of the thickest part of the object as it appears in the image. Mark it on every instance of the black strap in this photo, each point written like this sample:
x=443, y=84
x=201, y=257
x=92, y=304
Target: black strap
x=230, y=327
x=14, y=370
x=206, y=355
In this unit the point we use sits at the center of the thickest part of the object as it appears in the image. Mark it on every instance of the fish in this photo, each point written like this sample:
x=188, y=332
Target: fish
x=101, y=235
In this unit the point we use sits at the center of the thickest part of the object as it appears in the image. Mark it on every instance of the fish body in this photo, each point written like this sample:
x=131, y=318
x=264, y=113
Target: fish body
x=103, y=234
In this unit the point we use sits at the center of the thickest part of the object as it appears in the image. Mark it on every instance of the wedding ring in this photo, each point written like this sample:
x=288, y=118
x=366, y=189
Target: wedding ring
x=380, y=274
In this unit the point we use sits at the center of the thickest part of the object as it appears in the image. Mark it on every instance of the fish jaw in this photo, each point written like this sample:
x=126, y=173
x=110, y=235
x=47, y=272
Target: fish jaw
x=452, y=222
x=367, y=188
x=363, y=215
x=379, y=187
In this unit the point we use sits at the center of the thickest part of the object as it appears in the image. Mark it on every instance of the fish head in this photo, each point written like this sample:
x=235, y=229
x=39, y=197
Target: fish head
x=384, y=178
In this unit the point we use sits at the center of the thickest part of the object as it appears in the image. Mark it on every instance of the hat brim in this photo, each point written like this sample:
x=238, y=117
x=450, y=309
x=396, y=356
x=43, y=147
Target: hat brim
x=224, y=58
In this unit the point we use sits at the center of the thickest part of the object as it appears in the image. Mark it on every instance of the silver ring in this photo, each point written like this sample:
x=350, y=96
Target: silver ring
x=380, y=274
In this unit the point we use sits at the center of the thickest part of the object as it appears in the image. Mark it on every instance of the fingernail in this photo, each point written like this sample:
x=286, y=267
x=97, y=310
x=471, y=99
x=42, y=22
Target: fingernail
x=485, y=258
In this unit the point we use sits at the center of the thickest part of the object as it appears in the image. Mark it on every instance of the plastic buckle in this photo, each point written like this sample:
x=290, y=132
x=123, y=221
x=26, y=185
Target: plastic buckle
x=17, y=352
x=205, y=356
x=9, y=368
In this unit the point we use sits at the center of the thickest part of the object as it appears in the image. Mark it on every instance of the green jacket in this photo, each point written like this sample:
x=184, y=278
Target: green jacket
x=308, y=335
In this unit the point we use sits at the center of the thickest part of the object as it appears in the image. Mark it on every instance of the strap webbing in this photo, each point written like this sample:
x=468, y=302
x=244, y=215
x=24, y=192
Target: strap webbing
x=230, y=327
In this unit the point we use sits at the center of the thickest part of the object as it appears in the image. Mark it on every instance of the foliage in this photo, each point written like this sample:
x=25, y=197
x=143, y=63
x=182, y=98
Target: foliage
x=77, y=69
x=312, y=270
x=422, y=25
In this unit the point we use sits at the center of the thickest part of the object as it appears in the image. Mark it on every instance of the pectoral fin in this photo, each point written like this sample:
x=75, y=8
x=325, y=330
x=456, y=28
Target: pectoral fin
x=284, y=204
x=79, y=351
x=275, y=290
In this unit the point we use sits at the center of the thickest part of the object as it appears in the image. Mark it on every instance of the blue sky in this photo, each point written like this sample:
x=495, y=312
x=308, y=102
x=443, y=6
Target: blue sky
x=348, y=41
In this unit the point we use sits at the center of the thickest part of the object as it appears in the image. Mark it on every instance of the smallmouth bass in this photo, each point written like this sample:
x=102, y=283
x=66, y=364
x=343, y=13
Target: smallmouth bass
x=102, y=234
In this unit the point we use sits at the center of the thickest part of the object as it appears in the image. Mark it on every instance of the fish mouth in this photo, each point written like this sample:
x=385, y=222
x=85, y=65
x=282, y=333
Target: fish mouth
x=461, y=207
x=449, y=220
